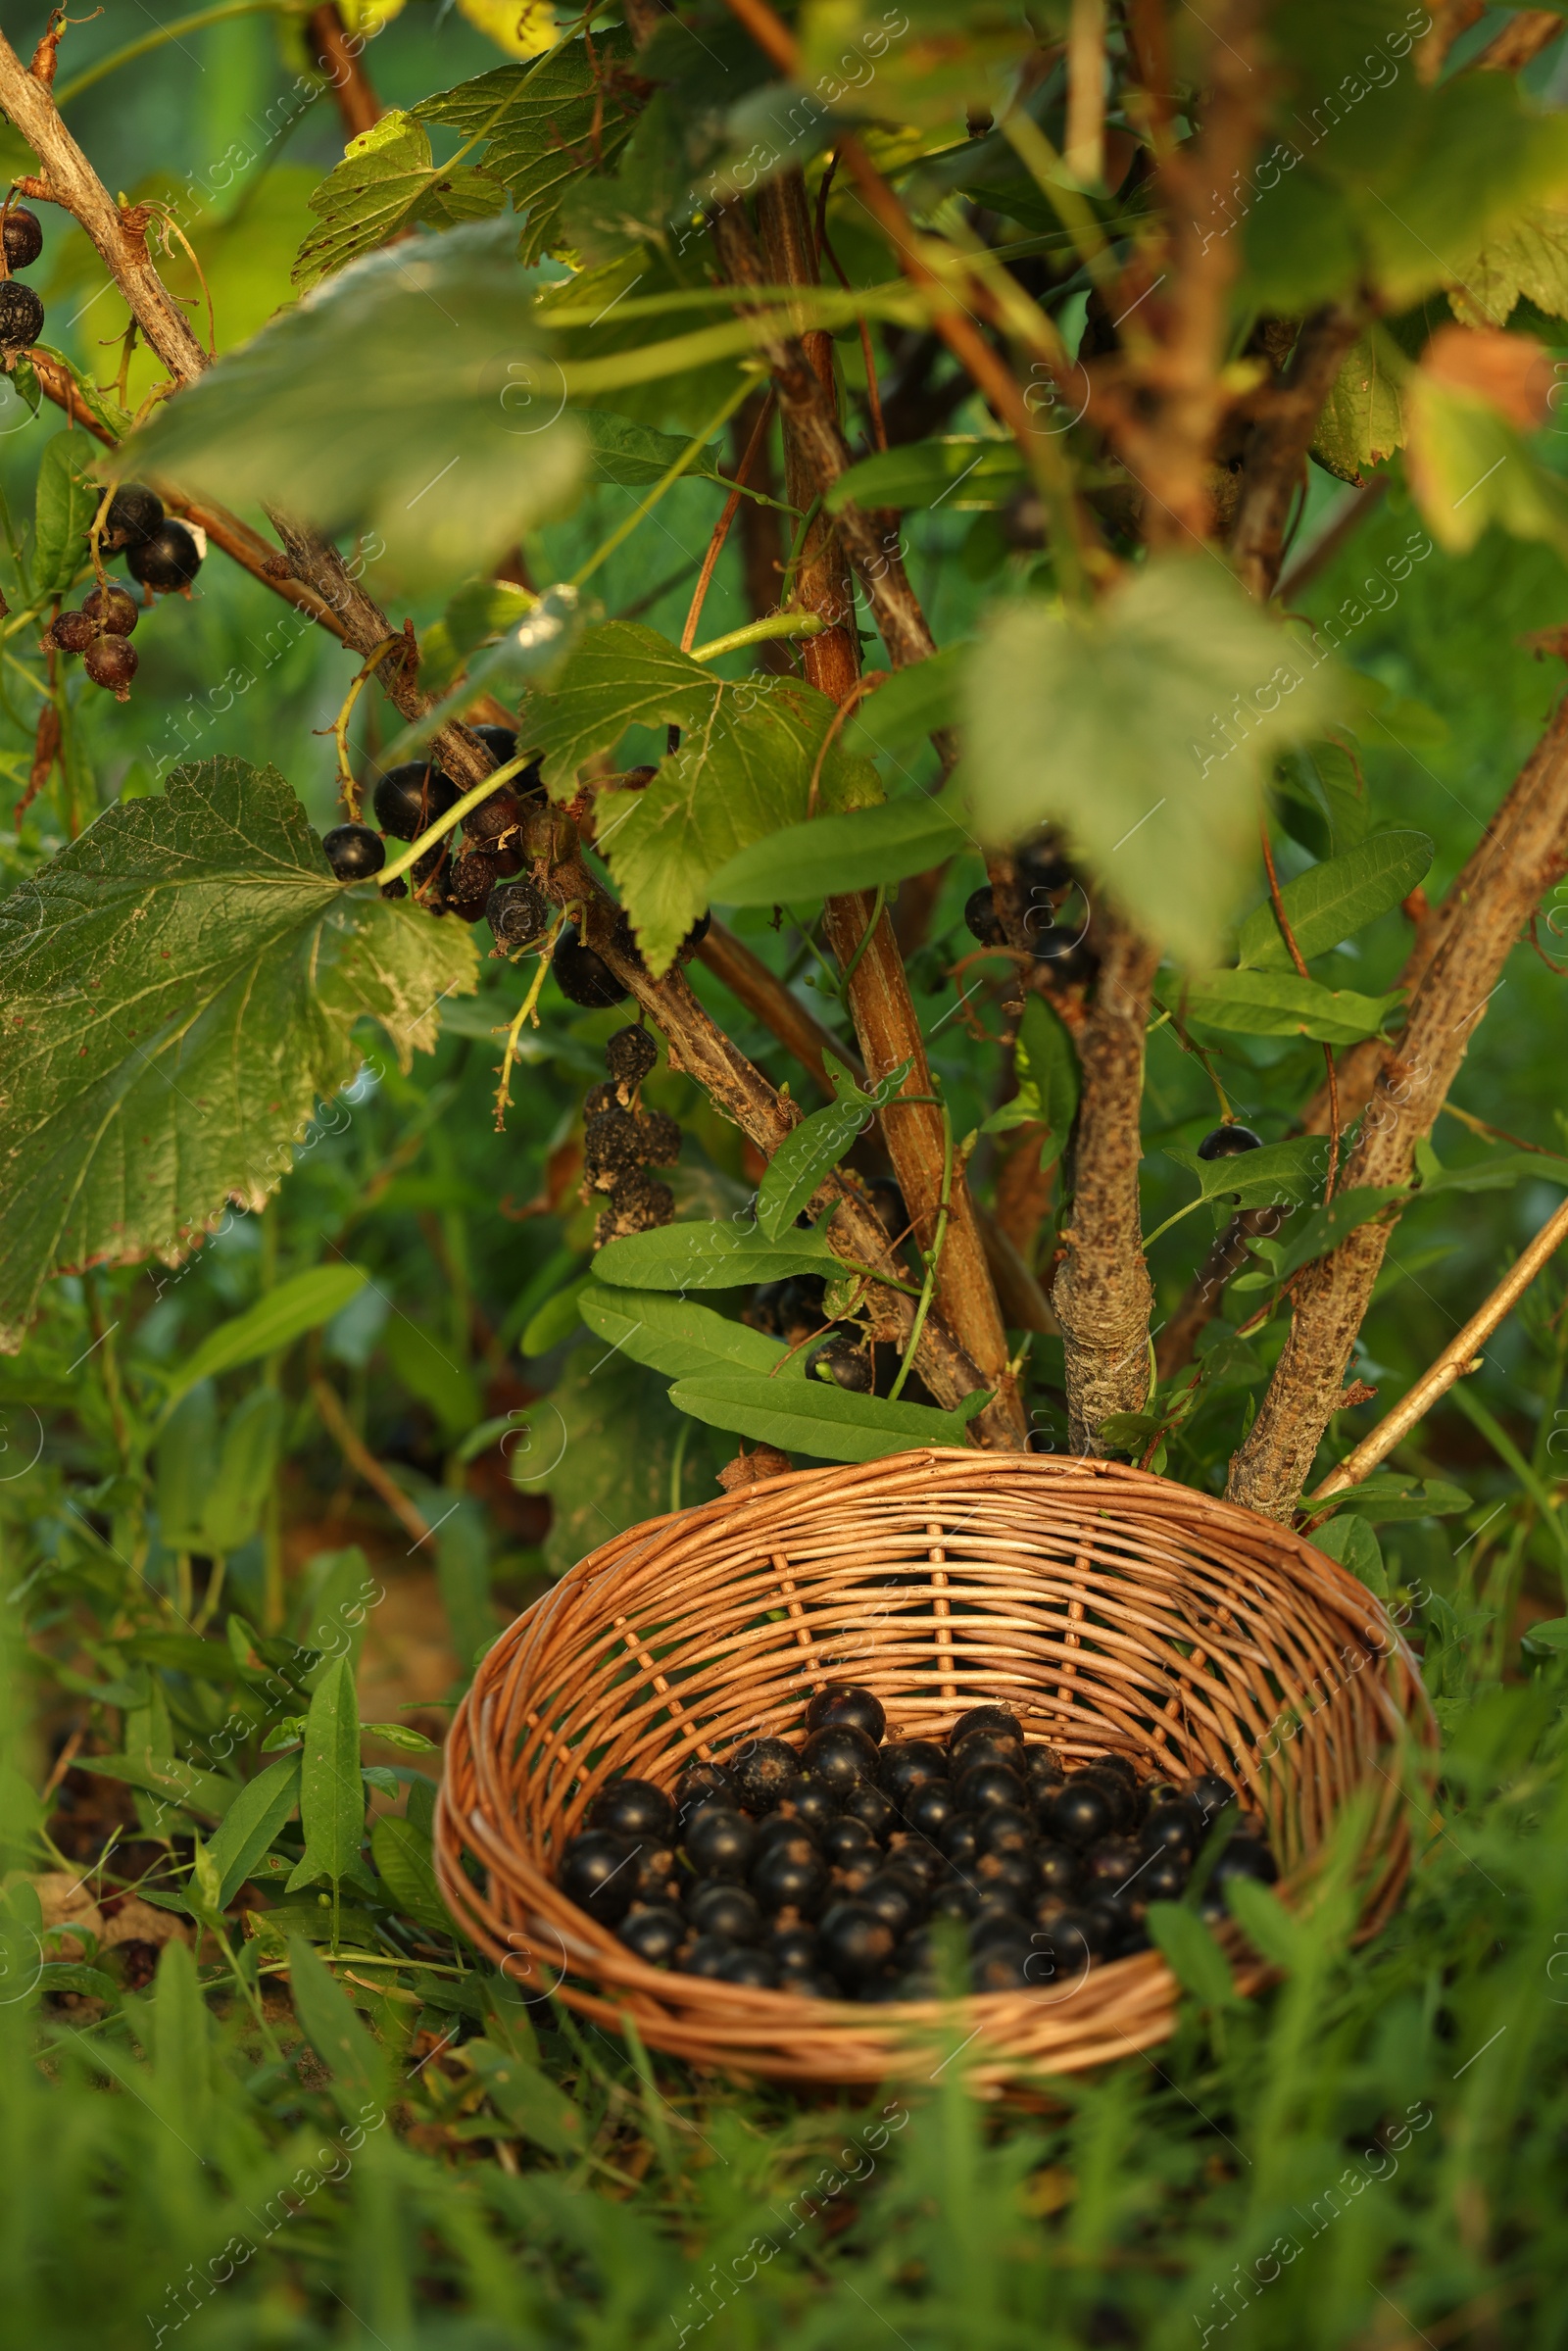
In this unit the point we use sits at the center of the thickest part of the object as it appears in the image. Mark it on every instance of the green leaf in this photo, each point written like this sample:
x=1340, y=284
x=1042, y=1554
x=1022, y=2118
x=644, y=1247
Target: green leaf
x=1276, y=1175
x=1388, y=1495
x=1191, y=1954
x=830, y=854
x=1266, y=1922
x=619, y=675
x=1469, y=467
x=813, y=1149
x=169, y=1775
x=1144, y=729
x=332, y=1797
x=1525, y=260
x=427, y=1371
x=480, y=609
x=679, y=1338
x=245, y=1473
x=1349, y=1540
x=410, y=396
x=187, y=1464
x=1047, y=1062
x=64, y=503
x=403, y=1858
x=908, y=706
x=634, y=456
x=384, y=184
x=809, y=1416
x=544, y=118
x=1362, y=423
x=1278, y=1004
x=182, y=985
x=1333, y=901
x=1500, y=1173
x=711, y=1256
x=302, y=1304
x=400, y=1735
x=959, y=470
x=357, y=2066
x=602, y=1445
x=555, y=1320
x=74, y=1975
x=546, y=636
x=182, y=2042
x=536, y=2106
x=1550, y=1635
x=252, y=1824
x=1326, y=1228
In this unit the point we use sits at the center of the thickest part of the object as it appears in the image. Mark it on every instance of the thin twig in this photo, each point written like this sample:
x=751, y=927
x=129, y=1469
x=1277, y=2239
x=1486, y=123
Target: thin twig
x=359, y=1457
x=715, y=545
x=1299, y=960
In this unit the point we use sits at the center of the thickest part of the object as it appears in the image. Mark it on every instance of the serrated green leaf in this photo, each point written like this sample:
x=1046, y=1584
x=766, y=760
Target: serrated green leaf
x=1191, y=1954
x=1279, y=1003
x=619, y=675
x=181, y=985
x=958, y=471
x=811, y=1416
x=302, y=1304
x=1327, y=1227
x=1362, y=422
x=332, y=1797
x=65, y=502
x=711, y=1256
x=252, y=1824
x=384, y=184
x=679, y=1338
x=813, y=1149
x=410, y=396
x=1276, y=1175
x=1334, y=900
x=1119, y=726
x=634, y=456
x=1470, y=467
x=1526, y=260
x=356, y=2064
x=830, y=854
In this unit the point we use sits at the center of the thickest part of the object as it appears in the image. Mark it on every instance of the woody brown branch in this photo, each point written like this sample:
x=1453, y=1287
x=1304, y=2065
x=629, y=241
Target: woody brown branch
x=359, y=108
x=1278, y=443
x=1523, y=853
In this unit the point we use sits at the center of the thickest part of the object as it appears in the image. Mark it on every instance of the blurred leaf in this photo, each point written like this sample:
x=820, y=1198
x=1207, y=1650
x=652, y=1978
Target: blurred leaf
x=403, y=1857
x=427, y=1371
x=252, y=1824
x=830, y=854
x=1265, y=1920
x=1334, y=900
x=813, y=1149
x=1362, y=423
x=679, y=1338
x=635, y=455
x=1468, y=461
x=1119, y=726
x=809, y=1416
x=1277, y=1004
x=183, y=986
x=959, y=470
x=361, y=2084
x=169, y=1775
x=400, y=1735
x=383, y=403
x=302, y=1304
x=1048, y=1068
x=1500, y=1173
x=480, y=609
x=1191, y=1954
x=601, y=1446
x=533, y=2104
x=245, y=1473
x=187, y=1463
x=1351, y=1540
x=64, y=503
x=384, y=184
x=1526, y=260
x=1388, y=1495
x=555, y=1320
x=462, y=1576
x=908, y=706
x=711, y=1256
x=331, y=1799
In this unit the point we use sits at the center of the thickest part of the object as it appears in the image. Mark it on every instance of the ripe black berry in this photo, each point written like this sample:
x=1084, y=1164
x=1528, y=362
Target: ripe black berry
x=1210, y=1793
x=409, y=798
x=841, y=1756
x=989, y=1784
x=848, y=1367
x=1007, y=1875
x=1163, y=1881
x=985, y=1718
x=981, y=918
x=111, y=610
x=1058, y=1870
x=657, y=1872
x=517, y=912
x=718, y=1907
x=794, y=1950
x=1121, y=1797
x=760, y=1770
x=758, y=1970
x=791, y=1875
x=21, y=316
x=986, y=1747
x=170, y=561
x=109, y=661
x=919, y=1859
x=1110, y=1865
x=1227, y=1143
x=73, y=632
x=630, y=1054
x=718, y=1841
x=136, y=515
x=501, y=742
x=354, y=853
x=1079, y=1814
x=1246, y=1857
x=1003, y=1830
x=992, y=1920
x=1071, y=965
x=849, y=1844
x=24, y=235
x=708, y=1955
x=958, y=1841
x=1071, y=1938
x=931, y=1807
x=871, y=1808
x=397, y=888
x=855, y=1943
x=1042, y=1771
x=1041, y=866
x=582, y=976
x=910, y=1764
x=633, y=1809
x=1000, y=1967
x=1171, y=1829
x=661, y=1138
x=894, y=1899
x=702, y=1783
x=595, y=1873
x=808, y=1800
x=655, y=1934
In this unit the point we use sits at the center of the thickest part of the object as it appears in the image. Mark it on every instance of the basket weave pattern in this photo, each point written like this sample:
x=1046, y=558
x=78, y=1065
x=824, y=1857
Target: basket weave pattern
x=1110, y=1609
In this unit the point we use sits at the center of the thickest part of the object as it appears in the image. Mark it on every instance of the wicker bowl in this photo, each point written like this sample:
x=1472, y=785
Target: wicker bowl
x=1110, y=1609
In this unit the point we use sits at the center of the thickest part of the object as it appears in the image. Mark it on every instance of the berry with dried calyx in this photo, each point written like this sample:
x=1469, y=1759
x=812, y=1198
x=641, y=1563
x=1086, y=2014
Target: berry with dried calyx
x=73, y=632
x=168, y=562
x=702, y=1783
x=630, y=1054
x=855, y=1943
x=24, y=235
x=719, y=1907
x=760, y=1767
x=474, y=877
x=517, y=913
x=639, y=1203
x=903, y=1769
x=612, y=1148
x=809, y=1801
x=489, y=824
x=1228, y=1142
x=582, y=975
x=354, y=851
x=109, y=661
x=136, y=515
x=409, y=798
x=111, y=610
x=985, y=1747
x=841, y=1756
x=661, y=1138
x=848, y=1367
x=981, y=918
x=21, y=316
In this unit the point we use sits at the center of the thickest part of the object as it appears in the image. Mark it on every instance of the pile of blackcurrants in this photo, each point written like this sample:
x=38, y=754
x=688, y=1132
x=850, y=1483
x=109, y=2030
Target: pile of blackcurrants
x=1047, y=886
x=160, y=553
x=826, y=1868
x=622, y=1141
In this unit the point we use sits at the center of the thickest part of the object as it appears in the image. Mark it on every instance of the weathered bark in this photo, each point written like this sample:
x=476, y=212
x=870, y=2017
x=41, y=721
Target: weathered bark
x=1278, y=443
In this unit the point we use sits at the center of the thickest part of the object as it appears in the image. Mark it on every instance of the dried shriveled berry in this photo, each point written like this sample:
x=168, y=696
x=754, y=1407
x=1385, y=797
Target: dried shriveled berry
x=474, y=877
x=409, y=798
x=109, y=661
x=21, y=316
x=136, y=515
x=612, y=1148
x=73, y=632
x=487, y=824
x=354, y=851
x=630, y=1054
x=517, y=912
x=111, y=610
x=395, y=889
x=639, y=1203
x=661, y=1138
x=167, y=561
x=583, y=976
x=23, y=234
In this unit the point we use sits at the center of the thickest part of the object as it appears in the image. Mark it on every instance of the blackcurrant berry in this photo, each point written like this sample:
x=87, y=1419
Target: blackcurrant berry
x=21, y=316
x=986, y=1747
x=1121, y=1797
x=1074, y=1939
x=1163, y=1881
x=657, y=1874
x=790, y=1874
x=1172, y=1829
x=136, y=515
x=112, y=663
x=702, y=1783
x=1058, y=1870
x=758, y=1970
x=24, y=237
x=1245, y=1856
x=855, y=1943
x=1007, y=1875
x=638, y=1203
x=931, y=1807
x=986, y=1717
x=841, y=1756
x=847, y=1843
x=630, y=1054
x=1003, y=1830
x=501, y=742
x=794, y=1950
x=1121, y=1767
x=397, y=888
x=1042, y=1771
x=409, y=799
x=718, y=1841
x=1111, y=1865
x=474, y=877
x=981, y=918
x=1227, y=1142
x=595, y=1873
x=583, y=976
x=918, y=1858
x=707, y=1956
x=718, y=1907
x=1041, y=866
x=1000, y=1967
x=634, y=1809
x=517, y=912
x=656, y=1935
x=986, y=1785
x=73, y=632
x=661, y=1138
x=489, y=824
x=847, y=1367
x=167, y=561
x=957, y=1839
x=1079, y=1814
x=992, y=1920
x=760, y=1769
x=870, y=1807
x=910, y=1764
x=112, y=609
x=894, y=1899
x=1070, y=965
x=1210, y=1793
x=354, y=853
x=810, y=1800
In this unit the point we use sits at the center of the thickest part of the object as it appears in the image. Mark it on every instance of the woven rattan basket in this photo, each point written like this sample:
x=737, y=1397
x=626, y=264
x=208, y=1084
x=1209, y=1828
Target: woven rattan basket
x=1110, y=1609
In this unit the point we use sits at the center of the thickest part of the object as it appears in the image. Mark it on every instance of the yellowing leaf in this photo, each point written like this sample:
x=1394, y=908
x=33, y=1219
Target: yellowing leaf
x=521, y=28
